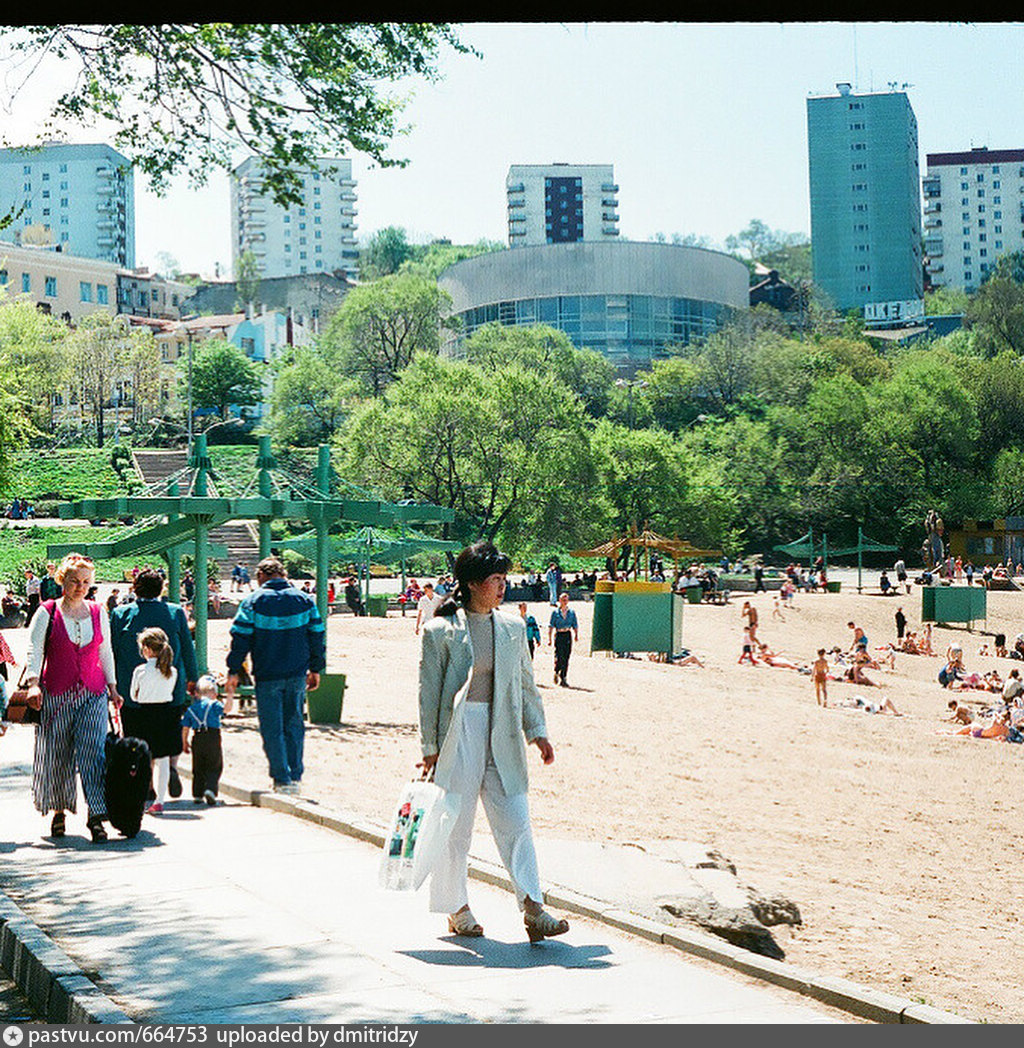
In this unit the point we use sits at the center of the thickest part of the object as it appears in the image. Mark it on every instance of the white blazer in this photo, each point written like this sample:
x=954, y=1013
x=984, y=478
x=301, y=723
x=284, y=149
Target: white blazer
x=517, y=715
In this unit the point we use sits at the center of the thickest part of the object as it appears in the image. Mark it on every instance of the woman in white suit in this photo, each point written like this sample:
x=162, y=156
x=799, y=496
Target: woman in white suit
x=479, y=707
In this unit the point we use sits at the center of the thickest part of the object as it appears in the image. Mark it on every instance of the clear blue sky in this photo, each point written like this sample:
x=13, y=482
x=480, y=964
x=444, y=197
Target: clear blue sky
x=705, y=124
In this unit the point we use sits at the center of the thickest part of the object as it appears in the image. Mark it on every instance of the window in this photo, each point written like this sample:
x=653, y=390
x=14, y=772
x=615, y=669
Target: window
x=967, y=245
x=964, y=185
x=981, y=223
x=983, y=252
x=981, y=176
x=859, y=187
x=46, y=194
x=857, y=127
x=63, y=169
x=996, y=184
x=995, y=169
x=999, y=245
x=859, y=167
x=981, y=209
x=967, y=275
x=965, y=201
x=287, y=218
x=966, y=216
x=982, y=238
x=46, y=211
x=46, y=176
x=967, y=260
x=981, y=192
x=63, y=185
x=3, y=277
x=85, y=291
x=997, y=200
x=26, y=281
x=857, y=146
x=287, y=247
x=997, y=214
x=50, y=284
x=963, y=171
x=27, y=187
x=64, y=237
x=998, y=229
x=967, y=231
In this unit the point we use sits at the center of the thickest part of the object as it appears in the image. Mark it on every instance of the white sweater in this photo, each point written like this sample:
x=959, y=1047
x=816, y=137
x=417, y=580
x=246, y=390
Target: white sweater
x=149, y=685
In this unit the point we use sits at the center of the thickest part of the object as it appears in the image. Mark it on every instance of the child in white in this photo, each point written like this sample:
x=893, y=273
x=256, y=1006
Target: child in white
x=153, y=688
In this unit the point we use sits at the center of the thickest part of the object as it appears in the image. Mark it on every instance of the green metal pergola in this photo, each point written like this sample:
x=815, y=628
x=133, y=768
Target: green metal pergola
x=805, y=546
x=864, y=545
x=188, y=520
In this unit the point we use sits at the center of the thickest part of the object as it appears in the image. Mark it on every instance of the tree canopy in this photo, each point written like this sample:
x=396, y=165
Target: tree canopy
x=185, y=96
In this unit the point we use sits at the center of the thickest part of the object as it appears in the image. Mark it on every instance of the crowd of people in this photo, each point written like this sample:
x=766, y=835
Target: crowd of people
x=20, y=509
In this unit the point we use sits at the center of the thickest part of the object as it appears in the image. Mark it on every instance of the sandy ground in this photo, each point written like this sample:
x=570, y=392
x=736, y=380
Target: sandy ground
x=901, y=846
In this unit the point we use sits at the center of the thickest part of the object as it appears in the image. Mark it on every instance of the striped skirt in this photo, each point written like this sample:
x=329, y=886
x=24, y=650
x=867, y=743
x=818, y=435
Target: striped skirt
x=71, y=735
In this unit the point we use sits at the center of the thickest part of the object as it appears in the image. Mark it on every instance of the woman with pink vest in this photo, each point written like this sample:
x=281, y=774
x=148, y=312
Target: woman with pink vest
x=70, y=671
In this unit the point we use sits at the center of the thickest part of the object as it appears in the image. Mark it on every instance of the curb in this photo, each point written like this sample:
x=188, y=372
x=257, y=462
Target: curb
x=843, y=994
x=55, y=986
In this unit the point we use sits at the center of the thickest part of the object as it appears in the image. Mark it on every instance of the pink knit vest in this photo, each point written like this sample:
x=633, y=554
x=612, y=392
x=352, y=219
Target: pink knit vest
x=66, y=663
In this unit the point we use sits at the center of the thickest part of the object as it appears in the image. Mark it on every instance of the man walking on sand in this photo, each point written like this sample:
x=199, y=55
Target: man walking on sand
x=280, y=627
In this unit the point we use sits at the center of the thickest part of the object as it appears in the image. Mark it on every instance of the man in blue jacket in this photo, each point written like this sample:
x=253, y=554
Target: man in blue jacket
x=280, y=627
x=127, y=621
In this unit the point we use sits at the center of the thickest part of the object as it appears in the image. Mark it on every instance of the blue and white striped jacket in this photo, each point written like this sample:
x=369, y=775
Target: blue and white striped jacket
x=282, y=629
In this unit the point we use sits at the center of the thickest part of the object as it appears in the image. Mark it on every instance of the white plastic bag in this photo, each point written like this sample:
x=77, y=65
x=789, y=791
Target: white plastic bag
x=422, y=821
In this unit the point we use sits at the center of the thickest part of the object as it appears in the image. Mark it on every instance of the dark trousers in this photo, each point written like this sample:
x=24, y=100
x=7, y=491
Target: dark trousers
x=563, y=648
x=207, y=762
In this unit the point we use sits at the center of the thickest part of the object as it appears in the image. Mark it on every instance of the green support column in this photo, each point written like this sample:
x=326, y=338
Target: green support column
x=265, y=463
x=860, y=555
x=173, y=555
x=323, y=566
x=202, y=577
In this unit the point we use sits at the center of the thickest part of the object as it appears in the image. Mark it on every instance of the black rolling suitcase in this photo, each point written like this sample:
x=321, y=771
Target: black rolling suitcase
x=126, y=786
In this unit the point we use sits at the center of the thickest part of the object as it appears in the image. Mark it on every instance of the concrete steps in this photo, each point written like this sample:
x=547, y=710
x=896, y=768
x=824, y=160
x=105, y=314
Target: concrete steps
x=157, y=465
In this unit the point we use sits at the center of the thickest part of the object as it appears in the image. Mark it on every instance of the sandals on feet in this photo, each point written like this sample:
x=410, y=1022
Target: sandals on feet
x=464, y=923
x=57, y=825
x=95, y=825
x=541, y=924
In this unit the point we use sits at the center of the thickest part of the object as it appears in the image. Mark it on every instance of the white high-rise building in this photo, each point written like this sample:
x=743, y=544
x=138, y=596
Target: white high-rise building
x=561, y=203
x=972, y=213
x=316, y=236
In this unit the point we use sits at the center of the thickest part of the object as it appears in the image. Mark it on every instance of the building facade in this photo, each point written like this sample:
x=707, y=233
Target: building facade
x=972, y=213
x=627, y=300
x=145, y=294
x=866, y=203
x=561, y=203
x=316, y=236
x=63, y=285
x=311, y=299
x=80, y=198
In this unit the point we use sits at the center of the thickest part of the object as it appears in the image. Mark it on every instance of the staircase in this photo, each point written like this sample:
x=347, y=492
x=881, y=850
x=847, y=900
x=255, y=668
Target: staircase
x=155, y=466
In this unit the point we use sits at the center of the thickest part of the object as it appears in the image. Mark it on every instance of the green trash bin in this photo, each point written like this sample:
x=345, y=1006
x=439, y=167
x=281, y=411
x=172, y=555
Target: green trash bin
x=694, y=594
x=833, y=587
x=377, y=605
x=324, y=704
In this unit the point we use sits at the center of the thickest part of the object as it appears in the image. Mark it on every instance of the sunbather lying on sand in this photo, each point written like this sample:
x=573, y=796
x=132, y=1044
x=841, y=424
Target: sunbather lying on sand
x=883, y=705
x=770, y=658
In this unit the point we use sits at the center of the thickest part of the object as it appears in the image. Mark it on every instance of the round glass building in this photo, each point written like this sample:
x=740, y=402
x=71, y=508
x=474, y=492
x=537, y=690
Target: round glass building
x=626, y=299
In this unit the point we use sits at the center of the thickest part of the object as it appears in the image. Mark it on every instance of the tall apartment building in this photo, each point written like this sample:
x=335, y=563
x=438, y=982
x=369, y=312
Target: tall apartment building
x=561, y=203
x=80, y=198
x=316, y=236
x=866, y=202
x=966, y=196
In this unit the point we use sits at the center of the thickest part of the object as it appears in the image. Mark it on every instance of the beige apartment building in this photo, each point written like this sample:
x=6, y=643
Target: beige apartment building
x=64, y=285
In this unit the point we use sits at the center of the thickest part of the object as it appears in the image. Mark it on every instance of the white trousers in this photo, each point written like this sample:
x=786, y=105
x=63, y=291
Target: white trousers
x=474, y=775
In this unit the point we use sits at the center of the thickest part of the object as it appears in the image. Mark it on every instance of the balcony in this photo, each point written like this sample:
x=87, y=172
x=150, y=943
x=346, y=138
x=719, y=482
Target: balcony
x=519, y=187
x=613, y=203
x=517, y=218
x=517, y=203
x=933, y=223
x=609, y=187
x=932, y=208
x=609, y=216
x=933, y=248
x=610, y=231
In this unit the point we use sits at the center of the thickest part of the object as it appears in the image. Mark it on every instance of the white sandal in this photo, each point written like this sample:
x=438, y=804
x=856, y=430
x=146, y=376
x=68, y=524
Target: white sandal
x=464, y=923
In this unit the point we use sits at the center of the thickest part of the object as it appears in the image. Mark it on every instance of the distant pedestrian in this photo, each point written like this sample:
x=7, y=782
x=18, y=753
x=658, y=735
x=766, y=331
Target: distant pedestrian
x=281, y=628
x=749, y=612
x=819, y=674
x=552, y=577
x=533, y=635
x=901, y=623
x=564, y=628
x=759, y=586
x=426, y=605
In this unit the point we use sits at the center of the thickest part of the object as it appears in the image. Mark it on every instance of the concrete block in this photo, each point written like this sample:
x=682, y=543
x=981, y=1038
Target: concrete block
x=876, y=1005
x=574, y=902
x=62, y=993
x=925, y=1013
x=634, y=924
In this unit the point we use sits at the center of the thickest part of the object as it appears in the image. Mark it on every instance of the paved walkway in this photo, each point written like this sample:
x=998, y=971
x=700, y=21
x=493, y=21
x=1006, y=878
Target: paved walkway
x=242, y=914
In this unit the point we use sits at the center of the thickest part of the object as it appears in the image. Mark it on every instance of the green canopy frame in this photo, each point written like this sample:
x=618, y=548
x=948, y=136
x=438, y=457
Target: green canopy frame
x=188, y=519
x=864, y=545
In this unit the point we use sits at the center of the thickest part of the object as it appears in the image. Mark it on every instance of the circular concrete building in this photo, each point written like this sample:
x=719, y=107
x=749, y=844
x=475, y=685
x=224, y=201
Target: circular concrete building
x=626, y=299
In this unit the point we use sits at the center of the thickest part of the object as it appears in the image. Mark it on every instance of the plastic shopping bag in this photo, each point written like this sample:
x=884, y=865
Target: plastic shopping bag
x=422, y=822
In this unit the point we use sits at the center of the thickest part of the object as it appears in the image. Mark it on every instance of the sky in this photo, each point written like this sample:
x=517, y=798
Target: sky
x=705, y=124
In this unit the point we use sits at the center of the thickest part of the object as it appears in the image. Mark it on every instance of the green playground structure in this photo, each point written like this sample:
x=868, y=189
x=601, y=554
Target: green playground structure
x=172, y=524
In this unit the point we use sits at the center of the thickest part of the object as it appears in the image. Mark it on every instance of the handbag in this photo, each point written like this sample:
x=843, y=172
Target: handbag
x=423, y=819
x=17, y=709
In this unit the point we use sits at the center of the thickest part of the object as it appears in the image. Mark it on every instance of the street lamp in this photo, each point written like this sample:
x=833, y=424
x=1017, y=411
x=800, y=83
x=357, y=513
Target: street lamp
x=188, y=332
x=628, y=385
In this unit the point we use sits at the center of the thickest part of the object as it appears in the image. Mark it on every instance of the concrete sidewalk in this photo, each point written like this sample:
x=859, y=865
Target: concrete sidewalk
x=243, y=914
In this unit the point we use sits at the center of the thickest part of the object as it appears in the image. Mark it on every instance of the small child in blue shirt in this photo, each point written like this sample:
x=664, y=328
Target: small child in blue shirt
x=202, y=719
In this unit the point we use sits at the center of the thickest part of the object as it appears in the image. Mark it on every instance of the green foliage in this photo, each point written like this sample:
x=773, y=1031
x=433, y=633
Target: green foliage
x=996, y=315
x=64, y=475
x=387, y=250
x=380, y=325
x=222, y=375
x=186, y=97
x=27, y=546
x=247, y=279
x=945, y=300
x=309, y=400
